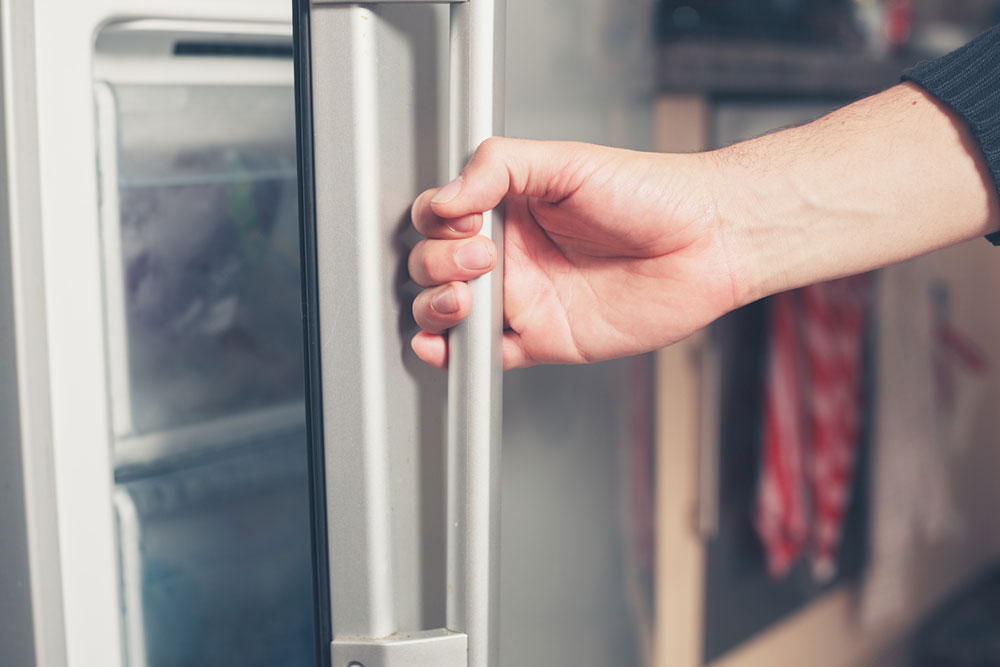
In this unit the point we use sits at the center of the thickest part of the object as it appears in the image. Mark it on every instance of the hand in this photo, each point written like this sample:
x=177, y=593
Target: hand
x=607, y=252
x=611, y=252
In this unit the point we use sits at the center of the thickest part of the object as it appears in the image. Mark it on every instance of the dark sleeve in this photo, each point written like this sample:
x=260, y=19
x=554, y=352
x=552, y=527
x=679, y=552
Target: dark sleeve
x=968, y=81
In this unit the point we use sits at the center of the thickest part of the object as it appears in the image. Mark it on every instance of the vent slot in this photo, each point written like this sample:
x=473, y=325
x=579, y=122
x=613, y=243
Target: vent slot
x=232, y=50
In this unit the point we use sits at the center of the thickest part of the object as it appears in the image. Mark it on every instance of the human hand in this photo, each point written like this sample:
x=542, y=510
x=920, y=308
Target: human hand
x=610, y=252
x=607, y=252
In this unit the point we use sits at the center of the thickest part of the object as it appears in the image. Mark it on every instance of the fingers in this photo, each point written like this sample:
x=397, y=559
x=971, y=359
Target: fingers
x=442, y=307
x=438, y=261
x=433, y=349
x=450, y=217
x=433, y=226
x=514, y=353
x=548, y=170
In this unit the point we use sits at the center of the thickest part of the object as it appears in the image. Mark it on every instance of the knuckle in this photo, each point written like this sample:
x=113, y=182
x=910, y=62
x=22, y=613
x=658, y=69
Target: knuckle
x=423, y=316
x=434, y=263
x=491, y=148
x=429, y=266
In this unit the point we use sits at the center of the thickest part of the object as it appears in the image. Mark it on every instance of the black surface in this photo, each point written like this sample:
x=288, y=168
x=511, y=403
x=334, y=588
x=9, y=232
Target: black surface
x=833, y=23
x=310, y=312
x=770, y=19
x=232, y=50
x=965, y=631
x=742, y=599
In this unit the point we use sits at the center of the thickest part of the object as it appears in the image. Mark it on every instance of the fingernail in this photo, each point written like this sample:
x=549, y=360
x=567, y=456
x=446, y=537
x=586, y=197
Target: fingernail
x=474, y=256
x=445, y=302
x=448, y=192
x=462, y=225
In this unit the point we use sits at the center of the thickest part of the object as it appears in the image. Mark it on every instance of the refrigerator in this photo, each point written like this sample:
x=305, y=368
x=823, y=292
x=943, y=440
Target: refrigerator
x=218, y=448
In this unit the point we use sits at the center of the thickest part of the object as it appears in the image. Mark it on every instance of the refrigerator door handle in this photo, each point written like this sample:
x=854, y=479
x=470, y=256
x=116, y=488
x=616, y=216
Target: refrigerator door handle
x=470, y=639
x=474, y=351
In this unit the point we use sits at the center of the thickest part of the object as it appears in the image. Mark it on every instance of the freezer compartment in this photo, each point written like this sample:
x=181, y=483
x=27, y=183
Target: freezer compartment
x=216, y=560
x=199, y=226
x=200, y=217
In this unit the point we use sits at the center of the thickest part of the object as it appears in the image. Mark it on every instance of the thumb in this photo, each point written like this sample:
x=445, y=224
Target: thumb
x=503, y=166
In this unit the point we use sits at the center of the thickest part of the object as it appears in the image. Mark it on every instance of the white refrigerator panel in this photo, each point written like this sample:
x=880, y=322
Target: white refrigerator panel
x=65, y=409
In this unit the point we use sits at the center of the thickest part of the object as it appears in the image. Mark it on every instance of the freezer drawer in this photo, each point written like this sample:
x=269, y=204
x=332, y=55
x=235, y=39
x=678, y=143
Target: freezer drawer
x=217, y=558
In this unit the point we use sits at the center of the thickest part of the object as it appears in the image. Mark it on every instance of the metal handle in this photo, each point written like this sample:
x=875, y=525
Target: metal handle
x=356, y=398
x=475, y=366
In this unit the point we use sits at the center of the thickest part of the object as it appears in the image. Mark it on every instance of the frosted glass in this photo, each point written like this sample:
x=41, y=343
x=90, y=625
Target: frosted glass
x=209, y=236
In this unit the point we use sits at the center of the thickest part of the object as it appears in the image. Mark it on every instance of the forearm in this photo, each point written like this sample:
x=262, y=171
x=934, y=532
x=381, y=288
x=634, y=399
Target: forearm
x=890, y=177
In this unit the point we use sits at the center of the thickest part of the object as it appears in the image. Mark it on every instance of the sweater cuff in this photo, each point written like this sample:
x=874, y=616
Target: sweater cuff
x=968, y=81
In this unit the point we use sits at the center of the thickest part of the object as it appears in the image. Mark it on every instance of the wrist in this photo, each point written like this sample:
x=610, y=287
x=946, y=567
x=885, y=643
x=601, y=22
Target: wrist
x=745, y=215
x=885, y=179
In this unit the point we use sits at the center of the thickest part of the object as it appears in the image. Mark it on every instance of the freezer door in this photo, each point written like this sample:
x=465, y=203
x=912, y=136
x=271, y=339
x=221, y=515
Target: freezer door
x=393, y=99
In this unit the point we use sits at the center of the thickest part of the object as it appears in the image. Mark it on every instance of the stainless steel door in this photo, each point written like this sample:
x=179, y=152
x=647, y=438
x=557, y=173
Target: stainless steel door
x=393, y=98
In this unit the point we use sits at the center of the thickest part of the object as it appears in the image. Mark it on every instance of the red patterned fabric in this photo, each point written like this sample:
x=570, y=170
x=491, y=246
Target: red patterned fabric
x=812, y=421
x=781, y=499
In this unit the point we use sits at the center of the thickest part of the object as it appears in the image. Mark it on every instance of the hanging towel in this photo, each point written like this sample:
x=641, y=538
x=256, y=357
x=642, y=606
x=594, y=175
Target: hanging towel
x=781, y=498
x=812, y=420
x=834, y=318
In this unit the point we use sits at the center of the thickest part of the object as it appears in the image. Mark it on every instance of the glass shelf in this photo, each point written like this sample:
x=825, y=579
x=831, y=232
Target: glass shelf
x=208, y=179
